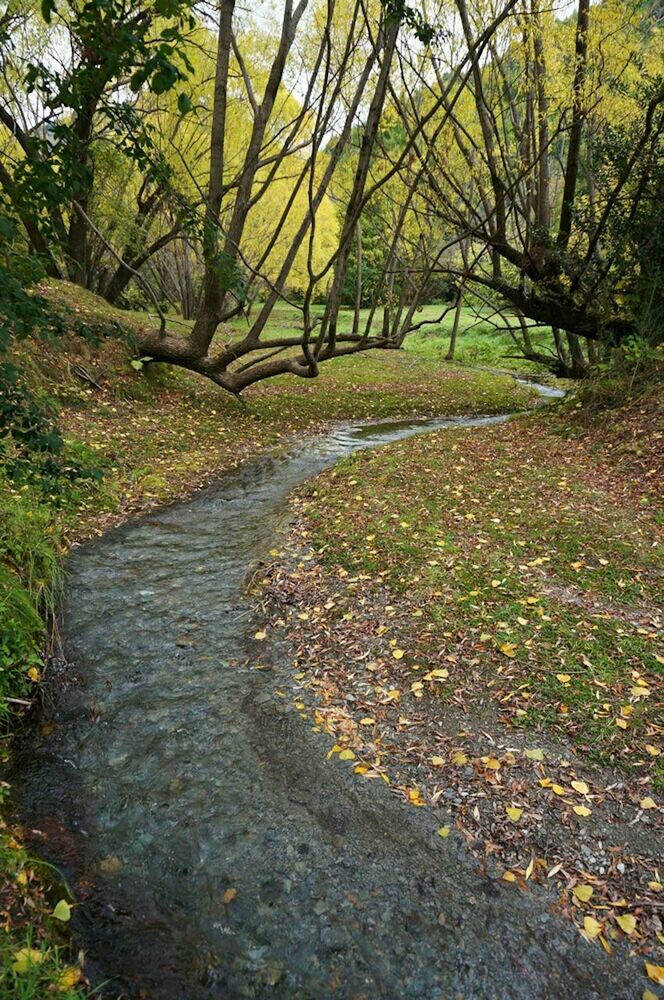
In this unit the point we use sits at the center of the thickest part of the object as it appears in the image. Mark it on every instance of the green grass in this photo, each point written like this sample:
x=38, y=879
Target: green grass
x=479, y=341
x=531, y=550
x=33, y=962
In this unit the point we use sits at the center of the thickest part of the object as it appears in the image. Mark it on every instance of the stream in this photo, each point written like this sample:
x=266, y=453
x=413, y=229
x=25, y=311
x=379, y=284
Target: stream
x=169, y=771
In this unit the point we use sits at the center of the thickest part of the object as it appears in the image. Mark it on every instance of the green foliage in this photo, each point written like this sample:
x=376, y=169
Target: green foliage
x=29, y=582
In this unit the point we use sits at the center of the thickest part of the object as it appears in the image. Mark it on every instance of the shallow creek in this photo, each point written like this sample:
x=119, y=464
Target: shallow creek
x=169, y=771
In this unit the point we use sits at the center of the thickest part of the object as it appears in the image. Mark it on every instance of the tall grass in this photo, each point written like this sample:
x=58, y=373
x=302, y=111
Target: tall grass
x=29, y=584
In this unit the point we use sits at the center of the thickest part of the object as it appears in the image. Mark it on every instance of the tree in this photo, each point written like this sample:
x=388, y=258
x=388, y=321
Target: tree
x=554, y=192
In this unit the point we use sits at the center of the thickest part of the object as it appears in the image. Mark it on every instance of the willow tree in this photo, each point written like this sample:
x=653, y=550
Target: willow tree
x=545, y=169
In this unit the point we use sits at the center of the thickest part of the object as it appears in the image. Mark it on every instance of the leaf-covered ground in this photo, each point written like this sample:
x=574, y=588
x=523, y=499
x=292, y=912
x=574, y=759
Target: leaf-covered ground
x=477, y=620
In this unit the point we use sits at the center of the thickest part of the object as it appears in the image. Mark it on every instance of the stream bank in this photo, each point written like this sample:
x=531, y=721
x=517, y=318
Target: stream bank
x=214, y=850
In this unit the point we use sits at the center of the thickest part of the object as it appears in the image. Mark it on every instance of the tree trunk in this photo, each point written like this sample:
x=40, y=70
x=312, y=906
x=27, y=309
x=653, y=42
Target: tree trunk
x=455, y=324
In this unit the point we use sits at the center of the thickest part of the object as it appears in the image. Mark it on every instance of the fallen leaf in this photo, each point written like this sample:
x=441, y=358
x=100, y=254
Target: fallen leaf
x=437, y=761
x=229, y=896
x=535, y=754
x=591, y=926
x=580, y=787
x=24, y=958
x=62, y=911
x=563, y=678
x=655, y=972
x=626, y=922
x=260, y=635
x=582, y=892
x=444, y=831
x=398, y=654
x=508, y=649
x=509, y=877
x=347, y=755
x=68, y=978
x=648, y=803
x=368, y=721
x=514, y=813
x=582, y=810
x=459, y=758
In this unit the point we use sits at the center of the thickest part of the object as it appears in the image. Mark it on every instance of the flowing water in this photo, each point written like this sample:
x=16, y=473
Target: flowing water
x=170, y=771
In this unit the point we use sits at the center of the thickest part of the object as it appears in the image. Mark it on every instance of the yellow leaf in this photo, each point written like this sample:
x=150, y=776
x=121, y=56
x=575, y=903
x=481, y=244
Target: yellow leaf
x=444, y=831
x=535, y=754
x=655, y=886
x=529, y=869
x=509, y=877
x=514, y=813
x=653, y=751
x=563, y=678
x=582, y=892
x=532, y=600
x=621, y=723
x=582, y=810
x=459, y=758
x=346, y=755
x=33, y=674
x=558, y=789
x=580, y=787
x=591, y=926
x=25, y=957
x=626, y=922
x=361, y=769
x=415, y=797
x=62, y=911
x=303, y=616
x=649, y=995
x=22, y=878
x=68, y=978
x=492, y=763
x=640, y=692
x=229, y=896
x=437, y=761
x=398, y=654
x=648, y=803
x=368, y=721
x=260, y=635
x=508, y=649
x=655, y=972
x=626, y=711
x=441, y=673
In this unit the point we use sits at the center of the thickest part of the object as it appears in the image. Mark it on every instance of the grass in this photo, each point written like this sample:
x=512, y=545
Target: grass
x=475, y=618
x=534, y=548
x=479, y=339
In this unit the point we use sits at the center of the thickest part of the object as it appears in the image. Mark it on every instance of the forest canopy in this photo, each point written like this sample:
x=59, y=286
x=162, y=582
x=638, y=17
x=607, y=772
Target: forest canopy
x=214, y=162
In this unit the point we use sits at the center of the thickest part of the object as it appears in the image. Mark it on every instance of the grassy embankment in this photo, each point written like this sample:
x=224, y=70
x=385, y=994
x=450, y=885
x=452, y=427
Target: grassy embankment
x=155, y=435
x=482, y=627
